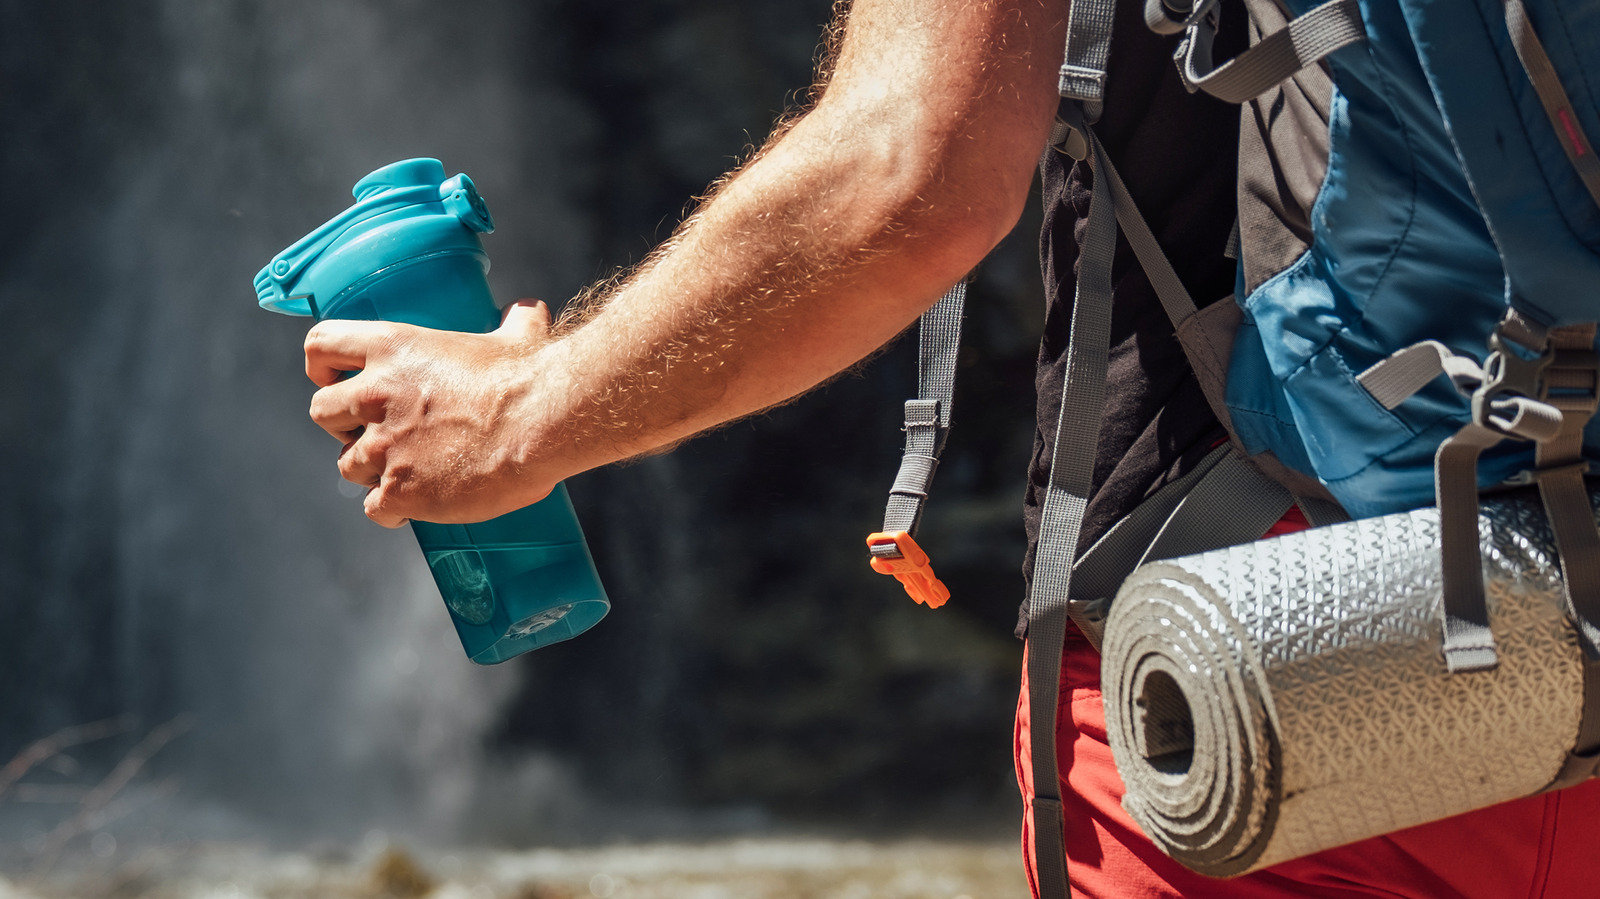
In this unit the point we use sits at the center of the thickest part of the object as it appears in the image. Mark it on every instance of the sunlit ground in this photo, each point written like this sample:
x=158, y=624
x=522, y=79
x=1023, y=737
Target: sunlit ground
x=767, y=868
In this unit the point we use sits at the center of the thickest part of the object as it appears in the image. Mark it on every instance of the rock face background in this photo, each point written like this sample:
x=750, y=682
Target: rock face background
x=172, y=541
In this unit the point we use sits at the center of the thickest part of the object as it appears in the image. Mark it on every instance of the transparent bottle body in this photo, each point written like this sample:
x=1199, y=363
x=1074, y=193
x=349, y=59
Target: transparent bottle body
x=517, y=582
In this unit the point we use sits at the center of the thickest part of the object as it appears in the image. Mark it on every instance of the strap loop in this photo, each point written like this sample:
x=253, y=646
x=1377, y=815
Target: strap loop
x=1087, y=56
x=1305, y=41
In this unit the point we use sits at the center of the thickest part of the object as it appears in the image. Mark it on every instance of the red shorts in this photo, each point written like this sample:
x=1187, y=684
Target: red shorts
x=1542, y=846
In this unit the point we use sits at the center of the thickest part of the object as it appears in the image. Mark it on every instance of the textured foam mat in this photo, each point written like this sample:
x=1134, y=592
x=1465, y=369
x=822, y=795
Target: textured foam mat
x=1275, y=699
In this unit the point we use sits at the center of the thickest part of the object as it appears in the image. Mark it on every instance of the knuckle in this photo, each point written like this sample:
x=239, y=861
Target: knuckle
x=375, y=444
x=370, y=401
x=391, y=337
x=401, y=478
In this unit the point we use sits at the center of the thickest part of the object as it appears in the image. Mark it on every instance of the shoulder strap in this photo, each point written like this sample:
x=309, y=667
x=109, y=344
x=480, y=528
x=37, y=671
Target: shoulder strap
x=1077, y=438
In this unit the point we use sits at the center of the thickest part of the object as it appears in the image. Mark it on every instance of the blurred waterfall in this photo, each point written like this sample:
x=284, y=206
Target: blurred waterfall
x=197, y=556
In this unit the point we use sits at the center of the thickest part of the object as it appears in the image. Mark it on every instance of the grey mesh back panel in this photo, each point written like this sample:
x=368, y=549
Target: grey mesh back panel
x=1234, y=503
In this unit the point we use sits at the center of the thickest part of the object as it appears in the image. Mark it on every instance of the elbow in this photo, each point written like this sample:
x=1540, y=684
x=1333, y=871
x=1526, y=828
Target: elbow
x=962, y=205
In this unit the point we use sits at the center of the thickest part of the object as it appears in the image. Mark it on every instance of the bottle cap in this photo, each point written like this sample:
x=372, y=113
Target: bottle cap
x=414, y=206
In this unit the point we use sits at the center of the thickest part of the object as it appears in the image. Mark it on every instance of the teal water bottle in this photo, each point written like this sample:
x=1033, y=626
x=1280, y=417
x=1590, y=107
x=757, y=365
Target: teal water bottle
x=408, y=251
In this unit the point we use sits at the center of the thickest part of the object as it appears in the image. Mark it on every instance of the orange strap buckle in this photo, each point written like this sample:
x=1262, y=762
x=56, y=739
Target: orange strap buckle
x=911, y=569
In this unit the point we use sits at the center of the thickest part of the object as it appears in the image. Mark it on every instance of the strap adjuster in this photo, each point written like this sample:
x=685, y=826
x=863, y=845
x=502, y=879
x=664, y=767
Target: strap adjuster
x=899, y=555
x=1513, y=400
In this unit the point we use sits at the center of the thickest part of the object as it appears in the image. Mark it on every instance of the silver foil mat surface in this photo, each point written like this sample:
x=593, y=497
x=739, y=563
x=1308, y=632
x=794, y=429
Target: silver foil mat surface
x=1271, y=700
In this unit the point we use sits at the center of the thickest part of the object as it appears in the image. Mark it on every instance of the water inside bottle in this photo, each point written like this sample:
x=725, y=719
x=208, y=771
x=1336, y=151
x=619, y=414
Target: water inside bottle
x=464, y=582
x=538, y=621
x=508, y=593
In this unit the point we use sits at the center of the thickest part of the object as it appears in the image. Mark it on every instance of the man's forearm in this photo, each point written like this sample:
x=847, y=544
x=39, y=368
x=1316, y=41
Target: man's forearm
x=912, y=165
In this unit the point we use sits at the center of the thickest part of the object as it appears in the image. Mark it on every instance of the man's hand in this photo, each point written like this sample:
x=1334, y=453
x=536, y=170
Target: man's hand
x=433, y=421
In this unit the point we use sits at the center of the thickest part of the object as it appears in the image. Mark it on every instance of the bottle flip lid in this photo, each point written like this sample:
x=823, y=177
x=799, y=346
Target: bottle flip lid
x=411, y=187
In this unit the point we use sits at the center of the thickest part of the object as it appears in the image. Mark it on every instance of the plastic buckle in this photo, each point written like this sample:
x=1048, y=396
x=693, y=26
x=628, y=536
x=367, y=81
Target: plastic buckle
x=911, y=569
x=1508, y=374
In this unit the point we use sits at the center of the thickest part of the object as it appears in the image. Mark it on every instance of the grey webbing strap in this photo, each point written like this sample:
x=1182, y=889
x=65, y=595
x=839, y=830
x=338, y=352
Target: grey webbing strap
x=1163, y=277
x=1548, y=399
x=1049, y=829
x=1077, y=438
x=1088, y=54
x=1557, y=105
x=1394, y=380
x=1571, y=386
x=1223, y=501
x=927, y=418
x=1234, y=503
x=1305, y=41
x=1175, y=298
x=911, y=482
x=1583, y=762
x=938, y=339
x=1104, y=566
x=1468, y=641
x=1572, y=382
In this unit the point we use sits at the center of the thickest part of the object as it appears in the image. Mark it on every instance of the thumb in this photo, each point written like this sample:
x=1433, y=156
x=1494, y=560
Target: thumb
x=526, y=319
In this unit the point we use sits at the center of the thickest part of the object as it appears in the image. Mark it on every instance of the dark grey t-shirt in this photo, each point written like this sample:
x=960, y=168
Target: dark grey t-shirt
x=1177, y=152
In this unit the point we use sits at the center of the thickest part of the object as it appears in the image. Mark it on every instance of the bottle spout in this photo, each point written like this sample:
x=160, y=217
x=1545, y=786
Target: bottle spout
x=419, y=172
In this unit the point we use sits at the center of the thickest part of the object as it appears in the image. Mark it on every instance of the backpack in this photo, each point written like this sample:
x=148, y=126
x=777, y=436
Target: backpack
x=1418, y=234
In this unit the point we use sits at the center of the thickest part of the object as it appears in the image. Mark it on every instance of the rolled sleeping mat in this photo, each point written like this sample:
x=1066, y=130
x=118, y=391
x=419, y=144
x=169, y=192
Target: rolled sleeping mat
x=1271, y=700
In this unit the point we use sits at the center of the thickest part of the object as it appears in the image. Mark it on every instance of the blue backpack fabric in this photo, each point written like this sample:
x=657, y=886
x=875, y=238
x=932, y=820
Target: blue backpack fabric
x=1449, y=198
